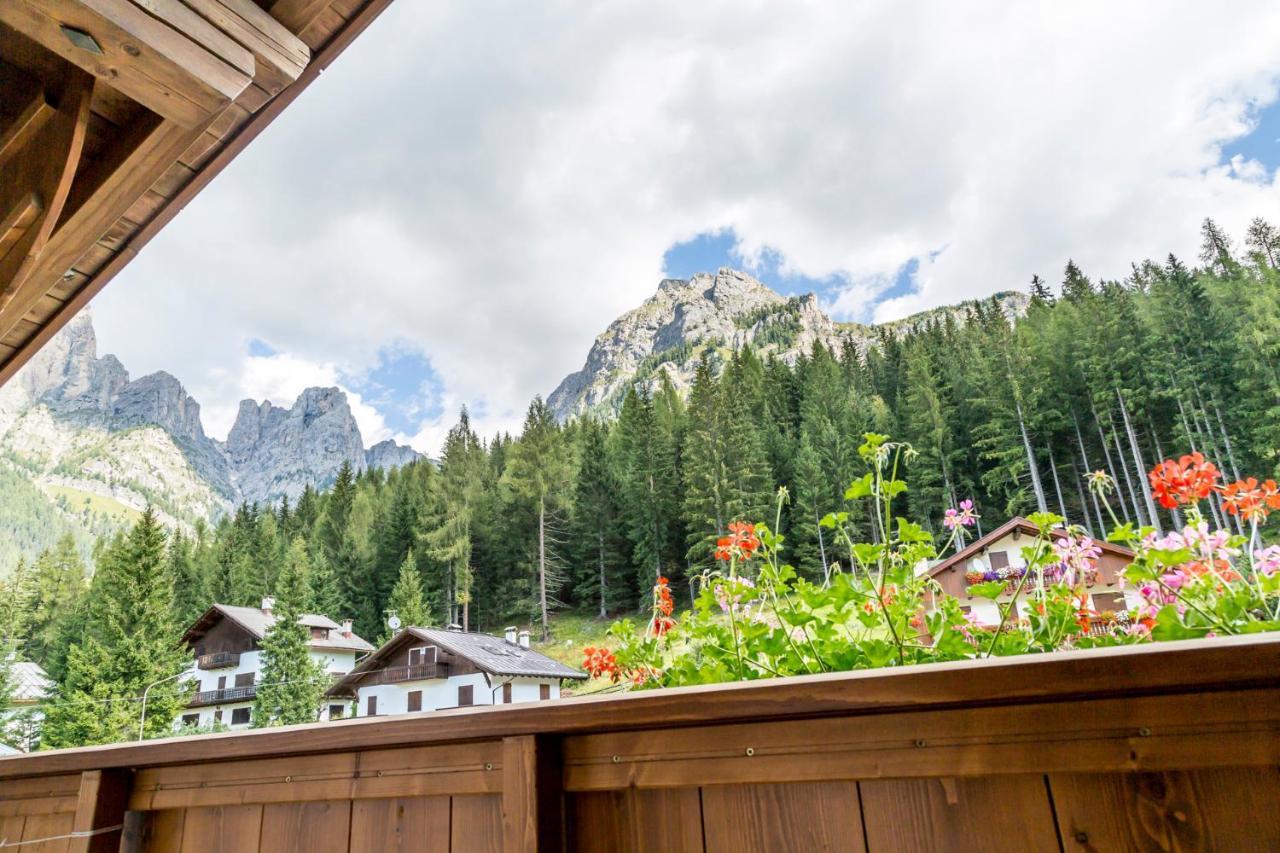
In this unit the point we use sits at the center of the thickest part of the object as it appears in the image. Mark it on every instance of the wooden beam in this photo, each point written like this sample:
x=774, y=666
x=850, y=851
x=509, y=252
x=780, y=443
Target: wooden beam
x=170, y=61
x=132, y=176
x=280, y=55
x=532, y=799
x=11, y=364
x=100, y=810
x=297, y=15
x=35, y=181
x=32, y=117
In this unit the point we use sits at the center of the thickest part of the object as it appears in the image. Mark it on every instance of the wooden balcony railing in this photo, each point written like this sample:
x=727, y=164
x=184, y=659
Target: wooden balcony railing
x=218, y=660
x=1128, y=748
x=227, y=694
x=398, y=674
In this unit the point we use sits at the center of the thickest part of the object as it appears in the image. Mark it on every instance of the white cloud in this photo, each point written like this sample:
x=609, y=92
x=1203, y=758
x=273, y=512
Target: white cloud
x=494, y=183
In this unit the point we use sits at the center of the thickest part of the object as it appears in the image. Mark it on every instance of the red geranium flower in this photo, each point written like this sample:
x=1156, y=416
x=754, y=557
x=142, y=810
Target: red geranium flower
x=598, y=662
x=741, y=543
x=1249, y=500
x=1186, y=481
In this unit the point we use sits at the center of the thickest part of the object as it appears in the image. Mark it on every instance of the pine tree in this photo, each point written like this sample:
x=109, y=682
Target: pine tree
x=596, y=522
x=190, y=596
x=407, y=601
x=57, y=607
x=539, y=470
x=292, y=684
x=447, y=525
x=131, y=646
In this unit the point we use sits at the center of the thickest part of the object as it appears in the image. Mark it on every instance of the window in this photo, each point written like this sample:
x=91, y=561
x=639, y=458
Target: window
x=245, y=679
x=371, y=707
x=999, y=560
x=1109, y=601
x=191, y=719
x=423, y=655
x=319, y=633
x=222, y=682
x=544, y=691
x=239, y=716
x=466, y=695
x=335, y=712
x=415, y=700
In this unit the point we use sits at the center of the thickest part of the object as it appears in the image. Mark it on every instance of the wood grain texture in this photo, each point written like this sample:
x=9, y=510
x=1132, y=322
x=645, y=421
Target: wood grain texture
x=400, y=825
x=992, y=814
x=316, y=827
x=178, y=73
x=49, y=826
x=645, y=821
x=1233, y=810
x=798, y=817
x=163, y=831
x=222, y=829
x=532, y=814
x=101, y=804
x=475, y=824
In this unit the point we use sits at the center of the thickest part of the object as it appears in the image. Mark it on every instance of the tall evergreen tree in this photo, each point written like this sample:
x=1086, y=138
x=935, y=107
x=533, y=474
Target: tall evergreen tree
x=292, y=684
x=407, y=601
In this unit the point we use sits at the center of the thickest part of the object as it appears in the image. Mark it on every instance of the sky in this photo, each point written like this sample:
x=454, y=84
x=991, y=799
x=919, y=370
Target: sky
x=472, y=192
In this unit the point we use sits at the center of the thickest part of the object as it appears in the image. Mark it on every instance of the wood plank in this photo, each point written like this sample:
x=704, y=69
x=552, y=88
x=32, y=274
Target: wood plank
x=163, y=831
x=532, y=802
x=993, y=814
x=297, y=15
x=280, y=56
x=1244, y=668
x=222, y=829
x=1201, y=810
x=11, y=828
x=322, y=27
x=29, y=119
x=797, y=817
x=100, y=810
x=664, y=820
x=1107, y=734
x=475, y=823
x=150, y=59
x=55, y=827
x=315, y=827
x=399, y=825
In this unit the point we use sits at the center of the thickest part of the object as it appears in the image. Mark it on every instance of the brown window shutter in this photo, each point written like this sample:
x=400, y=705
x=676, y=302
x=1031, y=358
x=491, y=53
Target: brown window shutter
x=244, y=679
x=371, y=707
x=999, y=560
x=466, y=695
x=415, y=700
x=222, y=682
x=544, y=691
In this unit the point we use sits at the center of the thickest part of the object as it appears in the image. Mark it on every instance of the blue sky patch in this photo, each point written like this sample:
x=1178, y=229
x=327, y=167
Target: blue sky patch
x=259, y=348
x=402, y=386
x=1263, y=142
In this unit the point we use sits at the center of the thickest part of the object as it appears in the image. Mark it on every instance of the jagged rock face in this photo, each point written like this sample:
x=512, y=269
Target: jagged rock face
x=101, y=447
x=387, y=455
x=667, y=335
x=726, y=311
x=277, y=452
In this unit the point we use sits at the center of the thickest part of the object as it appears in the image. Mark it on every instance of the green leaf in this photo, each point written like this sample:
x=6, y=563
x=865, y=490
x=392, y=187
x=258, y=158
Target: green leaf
x=859, y=488
x=989, y=589
x=909, y=531
x=1169, y=626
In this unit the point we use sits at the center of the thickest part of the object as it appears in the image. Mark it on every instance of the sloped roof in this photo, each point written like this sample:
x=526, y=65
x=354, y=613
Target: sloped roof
x=30, y=681
x=490, y=654
x=257, y=622
x=1020, y=525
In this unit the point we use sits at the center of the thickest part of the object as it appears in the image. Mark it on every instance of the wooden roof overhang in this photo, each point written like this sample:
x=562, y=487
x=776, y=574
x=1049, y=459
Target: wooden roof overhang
x=1020, y=526
x=115, y=113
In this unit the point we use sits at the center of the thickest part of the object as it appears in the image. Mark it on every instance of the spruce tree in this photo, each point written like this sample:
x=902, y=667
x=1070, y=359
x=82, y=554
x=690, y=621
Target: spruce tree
x=447, y=525
x=131, y=646
x=292, y=684
x=407, y=601
x=598, y=579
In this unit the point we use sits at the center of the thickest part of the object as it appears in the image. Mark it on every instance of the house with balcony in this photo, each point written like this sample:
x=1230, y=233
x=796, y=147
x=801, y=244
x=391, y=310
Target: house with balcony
x=226, y=643
x=20, y=722
x=429, y=669
x=998, y=556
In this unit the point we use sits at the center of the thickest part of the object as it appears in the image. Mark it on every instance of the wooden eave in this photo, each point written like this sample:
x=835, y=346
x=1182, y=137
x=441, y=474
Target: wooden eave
x=115, y=113
x=1020, y=525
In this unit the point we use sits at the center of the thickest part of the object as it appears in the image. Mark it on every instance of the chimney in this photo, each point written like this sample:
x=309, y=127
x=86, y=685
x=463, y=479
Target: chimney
x=346, y=628
x=511, y=634
x=524, y=639
x=453, y=626
x=268, y=603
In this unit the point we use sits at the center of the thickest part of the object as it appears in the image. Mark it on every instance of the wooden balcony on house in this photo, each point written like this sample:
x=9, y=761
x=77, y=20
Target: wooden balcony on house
x=218, y=660
x=223, y=696
x=1160, y=746
x=399, y=674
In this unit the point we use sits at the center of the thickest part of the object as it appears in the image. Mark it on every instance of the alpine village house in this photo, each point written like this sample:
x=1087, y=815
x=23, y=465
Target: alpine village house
x=998, y=556
x=418, y=669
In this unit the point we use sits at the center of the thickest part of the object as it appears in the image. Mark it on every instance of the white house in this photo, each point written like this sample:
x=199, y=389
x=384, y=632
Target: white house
x=20, y=723
x=998, y=556
x=428, y=669
x=228, y=661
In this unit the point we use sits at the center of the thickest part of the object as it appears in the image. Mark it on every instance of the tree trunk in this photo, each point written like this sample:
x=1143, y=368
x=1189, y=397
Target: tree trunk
x=822, y=551
x=1057, y=487
x=1041, y=503
x=1175, y=512
x=1084, y=460
x=1111, y=467
x=1226, y=437
x=1141, y=467
x=542, y=568
x=603, y=582
x=1138, y=515
x=1084, y=505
